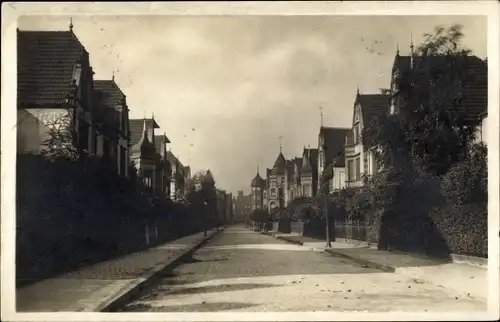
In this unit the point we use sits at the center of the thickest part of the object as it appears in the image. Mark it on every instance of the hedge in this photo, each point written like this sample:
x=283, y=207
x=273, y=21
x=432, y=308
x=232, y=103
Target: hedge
x=66, y=215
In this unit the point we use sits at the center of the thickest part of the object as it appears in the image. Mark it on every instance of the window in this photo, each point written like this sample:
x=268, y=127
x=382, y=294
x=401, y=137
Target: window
x=350, y=170
x=305, y=190
x=356, y=134
x=273, y=192
x=358, y=169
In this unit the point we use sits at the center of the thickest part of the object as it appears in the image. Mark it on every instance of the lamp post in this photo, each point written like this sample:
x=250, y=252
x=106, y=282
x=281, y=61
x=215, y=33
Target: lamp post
x=204, y=221
x=326, y=176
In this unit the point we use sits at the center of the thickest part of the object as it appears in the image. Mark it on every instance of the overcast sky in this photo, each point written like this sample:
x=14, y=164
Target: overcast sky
x=241, y=82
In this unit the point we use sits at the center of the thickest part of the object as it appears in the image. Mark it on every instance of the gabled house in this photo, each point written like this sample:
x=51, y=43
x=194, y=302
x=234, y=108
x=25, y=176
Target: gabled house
x=360, y=160
x=54, y=91
x=472, y=102
x=143, y=153
x=111, y=123
x=331, y=156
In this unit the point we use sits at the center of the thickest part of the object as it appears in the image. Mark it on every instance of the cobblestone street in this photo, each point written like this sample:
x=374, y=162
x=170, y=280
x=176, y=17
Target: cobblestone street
x=240, y=270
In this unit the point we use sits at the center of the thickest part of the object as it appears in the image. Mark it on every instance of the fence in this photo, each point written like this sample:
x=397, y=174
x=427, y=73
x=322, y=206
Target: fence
x=351, y=230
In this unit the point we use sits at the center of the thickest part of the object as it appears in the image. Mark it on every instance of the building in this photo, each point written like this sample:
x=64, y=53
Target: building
x=178, y=178
x=111, y=123
x=276, y=190
x=164, y=173
x=289, y=179
x=331, y=154
x=143, y=153
x=258, y=185
x=242, y=206
x=359, y=160
x=473, y=101
x=54, y=93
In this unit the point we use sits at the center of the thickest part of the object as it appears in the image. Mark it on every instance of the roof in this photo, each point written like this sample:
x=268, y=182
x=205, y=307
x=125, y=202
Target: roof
x=475, y=84
x=279, y=165
x=306, y=166
x=159, y=140
x=45, y=66
x=373, y=105
x=109, y=93
x=258, y=182
x=143, y=145
x=334, y=140
x=136, y=127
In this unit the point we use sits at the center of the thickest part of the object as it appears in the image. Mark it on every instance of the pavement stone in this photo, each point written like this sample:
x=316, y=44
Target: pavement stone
x=468, y=280
x=86, y=286
x=243, y=272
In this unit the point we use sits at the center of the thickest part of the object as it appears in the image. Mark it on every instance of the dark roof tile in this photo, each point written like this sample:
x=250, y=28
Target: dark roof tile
x=109, y=93
x=475, y=85
x=45, y=66
x=136, y=127
x=373, y=106
x=334, y=140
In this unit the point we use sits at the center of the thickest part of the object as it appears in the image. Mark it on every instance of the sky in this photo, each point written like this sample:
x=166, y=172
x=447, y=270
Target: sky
x=243, y=81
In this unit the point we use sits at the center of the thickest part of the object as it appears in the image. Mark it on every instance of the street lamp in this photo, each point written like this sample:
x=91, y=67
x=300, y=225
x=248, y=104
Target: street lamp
x=327, y=175
x=205, y=222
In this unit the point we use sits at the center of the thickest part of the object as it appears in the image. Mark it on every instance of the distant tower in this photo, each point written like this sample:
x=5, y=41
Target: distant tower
x=258, y=185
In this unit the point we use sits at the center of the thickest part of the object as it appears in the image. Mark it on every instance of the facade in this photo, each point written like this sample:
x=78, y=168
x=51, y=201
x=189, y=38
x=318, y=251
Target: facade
x=258, y=185
x=49, y=102
x=164, y=173
x=177, y=178
x=242, y=206
x=359, y=160
x=143, y=154
x=111, y=124
x=287, y=180
x=331, y=155
x=276, y=190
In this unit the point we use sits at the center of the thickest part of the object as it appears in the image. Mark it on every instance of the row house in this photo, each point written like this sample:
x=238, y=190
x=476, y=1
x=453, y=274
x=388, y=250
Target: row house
x=285, y=181
x=60, y=107
x=302, y=174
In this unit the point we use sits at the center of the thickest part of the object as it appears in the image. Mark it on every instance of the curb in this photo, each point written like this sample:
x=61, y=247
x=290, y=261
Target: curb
x=291, y=241
x=295, y=242
x=124, y=295
x=366, y=263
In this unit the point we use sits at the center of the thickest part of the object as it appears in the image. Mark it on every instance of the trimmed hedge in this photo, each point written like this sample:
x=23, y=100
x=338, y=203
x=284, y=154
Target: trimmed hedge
x=464, y=227
x=66, y=216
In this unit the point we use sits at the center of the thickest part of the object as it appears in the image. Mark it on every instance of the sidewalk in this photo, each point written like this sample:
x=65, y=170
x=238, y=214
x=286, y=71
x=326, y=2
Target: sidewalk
x=466, y=279
x=97, y=286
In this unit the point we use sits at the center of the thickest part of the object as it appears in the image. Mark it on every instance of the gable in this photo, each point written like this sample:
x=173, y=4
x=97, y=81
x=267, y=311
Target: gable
x=46, y=63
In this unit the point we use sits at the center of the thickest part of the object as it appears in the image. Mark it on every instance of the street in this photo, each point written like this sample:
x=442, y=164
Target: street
x=241, y=270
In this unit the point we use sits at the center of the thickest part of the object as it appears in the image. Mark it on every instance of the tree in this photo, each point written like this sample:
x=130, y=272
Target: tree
x=259, y=216
x=467, y=181
x=430, y=127
x=61, y=139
